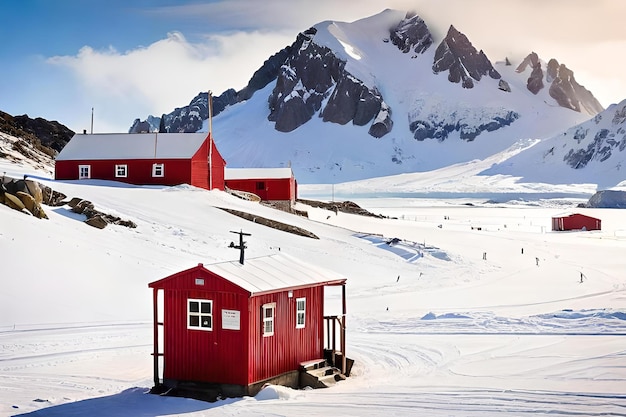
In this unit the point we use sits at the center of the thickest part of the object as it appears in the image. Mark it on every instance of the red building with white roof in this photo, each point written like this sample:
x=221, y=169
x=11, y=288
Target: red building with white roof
x=575, y=221
x=232, y=327
x=143, y=159
x=274, y=185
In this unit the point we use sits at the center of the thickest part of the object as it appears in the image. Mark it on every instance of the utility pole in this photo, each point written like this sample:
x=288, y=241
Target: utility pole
x=210, y=110
x=242, y=245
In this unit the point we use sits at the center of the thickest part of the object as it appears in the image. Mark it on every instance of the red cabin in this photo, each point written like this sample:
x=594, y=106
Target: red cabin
x=274, y=185
x=143, y=159
x=576, y=222
x=229, y=328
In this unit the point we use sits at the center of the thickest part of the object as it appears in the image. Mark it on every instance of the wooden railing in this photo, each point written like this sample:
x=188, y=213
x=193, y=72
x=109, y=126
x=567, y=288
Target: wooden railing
x=334, y=325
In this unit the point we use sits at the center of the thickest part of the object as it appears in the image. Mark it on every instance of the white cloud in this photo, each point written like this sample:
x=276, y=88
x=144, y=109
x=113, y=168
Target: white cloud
x=167, y=73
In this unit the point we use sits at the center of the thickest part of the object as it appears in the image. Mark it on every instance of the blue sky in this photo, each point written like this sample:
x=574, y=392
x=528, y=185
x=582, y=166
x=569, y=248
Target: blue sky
x=128, y=59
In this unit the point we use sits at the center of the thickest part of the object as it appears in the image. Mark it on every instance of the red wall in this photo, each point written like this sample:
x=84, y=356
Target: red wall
x=579, y=221
x=576, y=222
x=177, y=171
x=274, y=188
x=218, y=355
x=288, y=347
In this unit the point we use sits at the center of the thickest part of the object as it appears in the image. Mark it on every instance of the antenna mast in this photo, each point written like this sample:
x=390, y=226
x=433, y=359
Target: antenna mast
x=242, y=245
x=210, y=110
x=92, y=120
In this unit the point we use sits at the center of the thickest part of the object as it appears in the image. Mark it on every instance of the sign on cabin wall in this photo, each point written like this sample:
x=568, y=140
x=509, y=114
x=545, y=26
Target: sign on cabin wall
x=231, y=320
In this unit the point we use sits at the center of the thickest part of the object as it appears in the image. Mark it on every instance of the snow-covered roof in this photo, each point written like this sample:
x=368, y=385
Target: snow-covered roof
x=132, y=146
x=256, y=173
x=274, y=272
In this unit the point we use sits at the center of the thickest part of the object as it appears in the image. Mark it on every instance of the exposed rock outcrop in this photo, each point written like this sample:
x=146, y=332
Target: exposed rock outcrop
x=22, y=195
x=468, y=121
x=313, y=73
x=96, y=218
x=504, y=86
x=608, y=139
x=563, y=86
x=47, y=136
x=411, y=34
x=27, y=196
x=534, y=84
x=457, y=55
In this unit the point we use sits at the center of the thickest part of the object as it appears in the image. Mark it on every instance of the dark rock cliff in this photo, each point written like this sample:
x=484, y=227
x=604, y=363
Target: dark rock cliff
x=411, y=34
x=464, y=63
x=48, y=136
x=313, y=73
x=563, y=86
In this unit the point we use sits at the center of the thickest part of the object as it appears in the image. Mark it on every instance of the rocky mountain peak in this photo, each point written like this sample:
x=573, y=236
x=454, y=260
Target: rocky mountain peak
x=457, y=55
x=411, y=34
x=563, y=86
x=534, y=83
x=313, y=73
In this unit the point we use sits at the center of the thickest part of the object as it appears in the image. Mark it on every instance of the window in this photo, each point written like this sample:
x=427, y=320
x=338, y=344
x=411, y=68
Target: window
x=268, y=319
x=121, y=171
x=84, y=172
x=260, y=185
x=199, y=314
x=300, y=312
x=158, y=170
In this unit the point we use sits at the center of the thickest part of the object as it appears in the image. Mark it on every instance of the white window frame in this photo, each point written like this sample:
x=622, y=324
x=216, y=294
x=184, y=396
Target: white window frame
x=200, y=315
x=268, y=319
x=121, y=171
x=84, y=172
x=158, y=167
x=300, y=313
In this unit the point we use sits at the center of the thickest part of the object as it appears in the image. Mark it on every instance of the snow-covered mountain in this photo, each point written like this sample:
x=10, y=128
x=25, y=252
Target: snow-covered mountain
x=383, y=96
x=591, y=152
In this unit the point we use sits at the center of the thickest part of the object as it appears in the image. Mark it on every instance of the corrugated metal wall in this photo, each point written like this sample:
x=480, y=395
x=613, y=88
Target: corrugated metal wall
x=288, y=347
x=198, y=355
x=274, y=188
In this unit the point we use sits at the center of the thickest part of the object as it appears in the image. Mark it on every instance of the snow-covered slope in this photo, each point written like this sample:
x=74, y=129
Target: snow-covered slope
x=591, y=152
x=480, y=303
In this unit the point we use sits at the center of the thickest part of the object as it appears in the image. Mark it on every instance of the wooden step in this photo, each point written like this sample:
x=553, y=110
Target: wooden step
x=313, y=364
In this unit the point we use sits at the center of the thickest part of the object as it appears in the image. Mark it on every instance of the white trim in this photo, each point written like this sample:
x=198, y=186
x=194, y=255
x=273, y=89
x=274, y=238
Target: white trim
x=154, y=170
x=204, y=319
x=268, y=320
x=84, y=172
x=300, y=313
x=121, y=171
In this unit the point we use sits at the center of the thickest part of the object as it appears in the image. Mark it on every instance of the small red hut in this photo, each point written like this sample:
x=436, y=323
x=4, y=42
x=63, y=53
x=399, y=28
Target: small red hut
x=275, y=185
x=575, y=222
x=228, y=328
x=143, y=159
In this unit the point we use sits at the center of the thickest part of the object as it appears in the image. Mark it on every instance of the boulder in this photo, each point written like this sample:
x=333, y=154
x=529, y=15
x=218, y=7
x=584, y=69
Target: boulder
x=34, y=190
x=50, y=197
x=97, y=221
x=14, y=202
x=31, y=205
